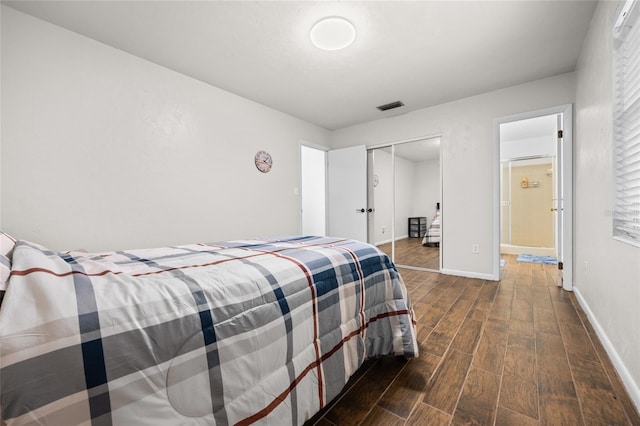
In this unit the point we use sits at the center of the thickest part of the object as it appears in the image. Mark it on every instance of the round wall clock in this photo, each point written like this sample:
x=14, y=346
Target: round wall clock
x=263, y=161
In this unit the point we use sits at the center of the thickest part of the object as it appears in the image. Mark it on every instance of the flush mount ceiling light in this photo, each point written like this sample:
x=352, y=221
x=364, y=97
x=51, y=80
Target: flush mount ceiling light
x=332, y=33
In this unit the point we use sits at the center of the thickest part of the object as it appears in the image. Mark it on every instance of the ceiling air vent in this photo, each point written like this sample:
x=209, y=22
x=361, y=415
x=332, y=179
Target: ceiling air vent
x=392, y=105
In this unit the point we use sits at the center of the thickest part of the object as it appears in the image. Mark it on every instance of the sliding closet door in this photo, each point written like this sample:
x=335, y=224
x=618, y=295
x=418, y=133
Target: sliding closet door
x=404, y=194
x=416, y=201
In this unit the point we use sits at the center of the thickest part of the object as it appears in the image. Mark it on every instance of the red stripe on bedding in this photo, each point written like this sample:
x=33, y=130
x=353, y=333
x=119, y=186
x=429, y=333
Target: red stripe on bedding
x=280, y=398
x=141, y=274
x=26, y=272
x=356, y=261
x=314, y=304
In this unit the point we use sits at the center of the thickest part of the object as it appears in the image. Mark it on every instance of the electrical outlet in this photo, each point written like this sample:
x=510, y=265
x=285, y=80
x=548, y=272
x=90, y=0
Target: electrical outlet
x=475, y=248
x=384, y=229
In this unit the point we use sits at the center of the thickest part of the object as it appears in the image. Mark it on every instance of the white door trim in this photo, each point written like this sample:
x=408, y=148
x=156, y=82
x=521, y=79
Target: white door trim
x=567, y=187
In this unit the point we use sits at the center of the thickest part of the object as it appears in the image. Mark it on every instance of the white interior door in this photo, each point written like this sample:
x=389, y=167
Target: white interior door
x=347, y=193
x=557, y=207
x=565, y=196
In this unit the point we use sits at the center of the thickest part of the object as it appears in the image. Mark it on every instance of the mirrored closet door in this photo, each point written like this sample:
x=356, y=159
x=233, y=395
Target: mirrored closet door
x=404, y=194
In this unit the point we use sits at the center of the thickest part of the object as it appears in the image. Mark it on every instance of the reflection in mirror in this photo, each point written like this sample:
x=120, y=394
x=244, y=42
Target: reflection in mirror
x=404, y=185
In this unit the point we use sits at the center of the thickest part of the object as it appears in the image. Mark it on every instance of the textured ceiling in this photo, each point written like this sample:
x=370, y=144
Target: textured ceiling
x=422, y=53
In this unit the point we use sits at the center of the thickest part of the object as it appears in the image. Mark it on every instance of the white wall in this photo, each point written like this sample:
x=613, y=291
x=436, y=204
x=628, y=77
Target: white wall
x=103, y=150
x=427, y=189
x=404, y=200
x=528, y=147
x=607, y=272
x=467, y=160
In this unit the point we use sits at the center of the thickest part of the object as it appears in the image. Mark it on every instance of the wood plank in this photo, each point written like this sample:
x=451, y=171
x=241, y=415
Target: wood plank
x=520, y=359
x=479, y=311
x=356, y=404
x=551, y=356
x=381, y=417
x=488, y=292
x=491, y=351
x=544, y=320
x=497, y=325
x=419, y=309
x=522, y=328
x=444, y=333
x=444, y=387
x=519, y=395
x=468, y=336
x=433, y=315
x=542, y=298
x=566, y=314
x=472, y=288
x=479, y=399
x=427, y=415
x=409, y=386
x=509, y=418
x=558, y=401
x=578, y=343
x=599, y=401
x=522, y=310
x=422, y=332
x=355, y=377
x=484, y=301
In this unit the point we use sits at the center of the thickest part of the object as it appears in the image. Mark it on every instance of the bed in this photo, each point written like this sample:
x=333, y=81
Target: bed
x=239, y=332
x=432, y=235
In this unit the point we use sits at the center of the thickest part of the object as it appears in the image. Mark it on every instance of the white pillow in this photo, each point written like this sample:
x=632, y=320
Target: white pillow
x=7, y=242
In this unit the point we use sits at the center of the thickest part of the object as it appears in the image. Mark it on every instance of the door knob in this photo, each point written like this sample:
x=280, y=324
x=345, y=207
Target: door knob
x=369, y=210
x=554, y=209
x=360, y=210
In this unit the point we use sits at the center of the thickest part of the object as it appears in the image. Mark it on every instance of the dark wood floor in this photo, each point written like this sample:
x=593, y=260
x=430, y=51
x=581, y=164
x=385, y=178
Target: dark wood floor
x=515, y=352
x=411, y=252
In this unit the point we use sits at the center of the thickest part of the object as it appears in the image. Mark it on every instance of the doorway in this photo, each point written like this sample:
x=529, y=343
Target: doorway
x=535, y=195
x=313, y=194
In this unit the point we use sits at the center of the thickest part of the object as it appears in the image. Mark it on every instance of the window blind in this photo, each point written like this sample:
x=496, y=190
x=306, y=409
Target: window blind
x=626, y=123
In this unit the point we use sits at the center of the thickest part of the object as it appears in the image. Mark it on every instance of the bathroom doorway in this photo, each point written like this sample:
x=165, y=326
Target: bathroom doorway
x=534, y=196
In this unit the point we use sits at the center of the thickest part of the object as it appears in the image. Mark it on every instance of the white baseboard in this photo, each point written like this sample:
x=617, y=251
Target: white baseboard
x=379, y=243
x=468, y=274
x=632, y=387
x=402, y=237
x=536, y=251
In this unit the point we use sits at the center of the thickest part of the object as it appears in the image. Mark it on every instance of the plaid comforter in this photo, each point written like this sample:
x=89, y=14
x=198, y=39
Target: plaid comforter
x=228, y=333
